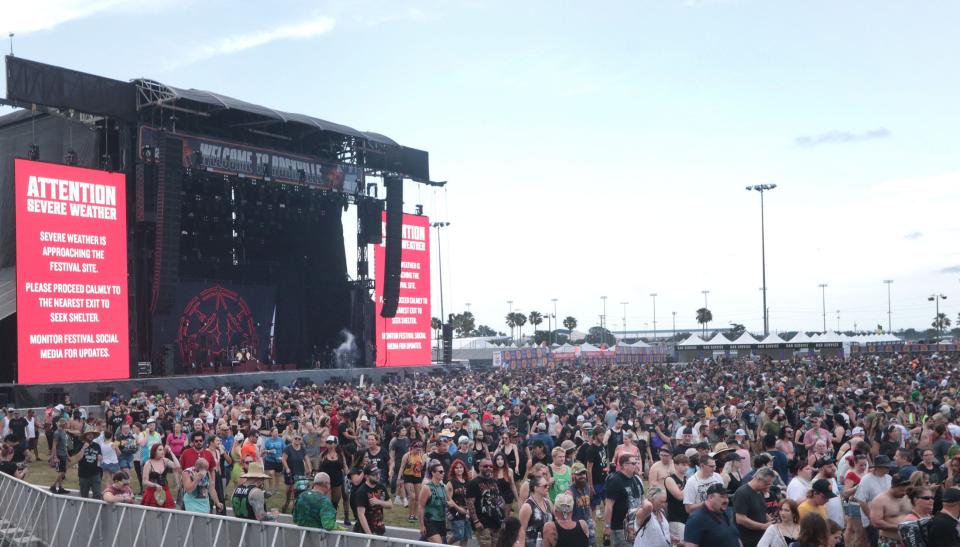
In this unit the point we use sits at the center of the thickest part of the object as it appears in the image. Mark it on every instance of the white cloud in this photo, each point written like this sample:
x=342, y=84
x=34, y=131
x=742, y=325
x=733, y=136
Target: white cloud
x=242, y=42
x=26, y=17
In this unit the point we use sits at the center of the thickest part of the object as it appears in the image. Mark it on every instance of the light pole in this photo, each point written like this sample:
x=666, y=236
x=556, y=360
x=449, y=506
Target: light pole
x=674, y=327
x=761, y=188
x=510, y=311
x=823, y=297
x=603, y=318
x=838, y=320
x=468, y=306
x=624, y=303
x=936, y=319
x=555, y=322
x=889, y=321
x=654, y=296
x=438, y=226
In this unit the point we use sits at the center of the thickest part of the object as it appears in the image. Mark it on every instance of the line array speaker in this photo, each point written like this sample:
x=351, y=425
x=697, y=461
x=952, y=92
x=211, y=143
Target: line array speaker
x=391, y=270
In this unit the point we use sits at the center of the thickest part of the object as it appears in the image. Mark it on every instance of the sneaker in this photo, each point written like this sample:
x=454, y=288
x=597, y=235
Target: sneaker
x=346, y=522
x=53, y=489
x=62, y=490
x=406, y=502
x=411, y=518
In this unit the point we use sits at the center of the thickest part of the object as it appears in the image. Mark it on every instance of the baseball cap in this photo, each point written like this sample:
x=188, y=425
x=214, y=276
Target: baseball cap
x=822, y=486
x=826, y=460
x=951, y=495
x=858, y=431
x=883, y=461
x=370, y=470
x=577, y=468
x=740, y=432
x=717, y=488
x=564, y=502
x=332, y=439
x=151, y=420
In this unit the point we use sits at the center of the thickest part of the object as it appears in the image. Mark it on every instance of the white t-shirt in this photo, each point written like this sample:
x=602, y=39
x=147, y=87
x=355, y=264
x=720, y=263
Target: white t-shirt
x=797, y=489
x=695, y=491
x=870, y=487
x=835, y=505
x=107, y=451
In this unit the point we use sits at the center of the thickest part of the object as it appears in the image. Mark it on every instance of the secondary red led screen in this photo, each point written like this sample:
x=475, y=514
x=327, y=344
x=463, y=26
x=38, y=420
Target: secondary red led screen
x=71, y=274
x=404, y=340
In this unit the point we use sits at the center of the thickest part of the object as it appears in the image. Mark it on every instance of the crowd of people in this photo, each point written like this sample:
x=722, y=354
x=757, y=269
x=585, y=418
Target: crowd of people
x=812, y=452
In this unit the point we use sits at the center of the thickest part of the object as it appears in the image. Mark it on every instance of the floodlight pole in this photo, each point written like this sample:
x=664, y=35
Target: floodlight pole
x=763, y=253
x=823, y=297
x=889, y=321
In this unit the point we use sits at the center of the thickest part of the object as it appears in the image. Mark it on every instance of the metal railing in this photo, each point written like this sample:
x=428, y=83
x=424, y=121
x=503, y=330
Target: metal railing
x=33, y=516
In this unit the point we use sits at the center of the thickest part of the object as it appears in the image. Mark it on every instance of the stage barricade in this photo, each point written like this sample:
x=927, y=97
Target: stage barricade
x=32, y=516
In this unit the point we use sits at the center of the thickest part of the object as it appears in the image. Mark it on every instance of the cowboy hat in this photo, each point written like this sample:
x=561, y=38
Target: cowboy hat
x=255, y=471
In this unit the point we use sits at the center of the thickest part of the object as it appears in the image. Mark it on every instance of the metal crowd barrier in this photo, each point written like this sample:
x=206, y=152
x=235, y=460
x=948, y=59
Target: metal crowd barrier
x=32, y=516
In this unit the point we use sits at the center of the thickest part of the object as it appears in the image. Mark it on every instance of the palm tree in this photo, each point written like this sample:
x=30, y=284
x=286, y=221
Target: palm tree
x=521, y=320
x=512, y=322
x=703, y=317
x=570, y=323
x=940, y=322
x=535, y=319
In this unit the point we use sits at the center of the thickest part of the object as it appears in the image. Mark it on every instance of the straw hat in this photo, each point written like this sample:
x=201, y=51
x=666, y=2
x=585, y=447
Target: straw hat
x=255, y=471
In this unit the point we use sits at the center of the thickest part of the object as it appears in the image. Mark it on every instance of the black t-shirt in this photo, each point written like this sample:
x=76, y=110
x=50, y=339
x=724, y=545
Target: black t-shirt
x=621, y=489
x=598, y=456
x=942, y=531
x=380, y=460
x=373, y=513
x=87, y=467
x=18, y=426
x=749, y=502
x=295, y=460
x=445, y=460
x=487, y=501
x=115, y=422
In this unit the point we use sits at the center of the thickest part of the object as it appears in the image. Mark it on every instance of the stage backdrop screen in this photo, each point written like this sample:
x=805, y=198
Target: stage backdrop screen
x=71, y=274
x=404, y=340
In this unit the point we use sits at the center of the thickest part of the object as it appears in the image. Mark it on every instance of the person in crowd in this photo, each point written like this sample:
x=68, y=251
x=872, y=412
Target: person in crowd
x=888, y=509
x=295, y=465
x=559, y=473
x=197, y=485
x=432, y=506
x=88, y=461
x=535, y=511
x=119, y=491
x=622, y=494
x=800, y=483
x=248, y=499
x=334, y=464
x=814, y=532
x=397, y=448
x=817, y=497
x=872, y=485
x=313, y=508
x=509, y=536
x=504, y=476
x=921, y=502
x=786, y=530
x=944, y=529
x=372, y=499
x=176, y=440
x=709, y=525
x=485, y=505
x=674, y=484
x=156, y=490
x=272, y=452
x=662, y=468
x=652, y=526
x=564, y=530
x=696, y=486
x=458, y=514
x=59, y=457
x=750, y=508
x=411, y=475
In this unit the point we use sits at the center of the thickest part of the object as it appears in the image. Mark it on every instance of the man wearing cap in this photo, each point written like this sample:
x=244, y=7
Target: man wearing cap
x=942, y=530
x=580, y=492
x=597, y=465
x=872, y=485
x=313, y=508
x=248, y=499
x=710, y=525
x=888, y=510
x=485, y=505
x=817, y=498
x=88, y=465
x=826, y=469
x=372, y=499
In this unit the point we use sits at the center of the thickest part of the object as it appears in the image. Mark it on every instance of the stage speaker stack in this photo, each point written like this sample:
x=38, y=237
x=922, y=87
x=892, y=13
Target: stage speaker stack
x=447, y=343
x=370, y=212
x=391, y=270
x=166, y=258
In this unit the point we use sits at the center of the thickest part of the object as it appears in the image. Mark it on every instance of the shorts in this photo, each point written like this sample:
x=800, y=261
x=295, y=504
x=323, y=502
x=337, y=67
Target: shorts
x=460, y=530
x=125, y=462
x=407, y=479
x=110, y=467
x=272, y=466
x=436, y=528
x=677, y=528
x=61, y=464
x=597, y=499
x=889, y=542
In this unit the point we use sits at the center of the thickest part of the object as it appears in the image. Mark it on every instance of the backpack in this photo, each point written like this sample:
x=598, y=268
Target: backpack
x=915, y=532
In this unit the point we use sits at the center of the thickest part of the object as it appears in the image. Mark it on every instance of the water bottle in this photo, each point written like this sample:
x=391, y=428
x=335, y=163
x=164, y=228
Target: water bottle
x=539, y=539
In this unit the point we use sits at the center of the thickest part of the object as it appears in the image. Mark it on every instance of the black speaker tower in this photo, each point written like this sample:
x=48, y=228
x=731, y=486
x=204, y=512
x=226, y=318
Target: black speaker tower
x=391, y=270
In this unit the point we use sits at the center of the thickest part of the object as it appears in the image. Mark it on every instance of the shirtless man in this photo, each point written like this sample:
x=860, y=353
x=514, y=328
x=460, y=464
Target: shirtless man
x=889, y=509
x=662, y=469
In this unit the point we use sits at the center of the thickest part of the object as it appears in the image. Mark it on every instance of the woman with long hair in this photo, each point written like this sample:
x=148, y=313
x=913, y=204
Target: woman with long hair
x=953, y=472
x=460, y=529
x=629, y=446
x=535, y=511
x=480, y=451
x=156, y=490
x=216, y=471
x=505, y=482
x=563, y=530
x=510, y=452
x=411, y=476
x=783, y=533
x=176, y=440
x=855, y=533
x=538, y=470
x=813, y=532
x=653, y=528
x=333, y=463
x=509, y=534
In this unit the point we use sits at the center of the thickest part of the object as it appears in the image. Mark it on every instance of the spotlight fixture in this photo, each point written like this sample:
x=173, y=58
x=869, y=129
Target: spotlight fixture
x=33, y=152
x=71, y=157
x=419, y=209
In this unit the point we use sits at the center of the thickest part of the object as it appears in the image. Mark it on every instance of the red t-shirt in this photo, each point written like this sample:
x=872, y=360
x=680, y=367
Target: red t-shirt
x=190, y=455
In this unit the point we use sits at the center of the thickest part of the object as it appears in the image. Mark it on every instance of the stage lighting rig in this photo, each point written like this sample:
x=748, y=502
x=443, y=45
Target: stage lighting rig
x=33, y=152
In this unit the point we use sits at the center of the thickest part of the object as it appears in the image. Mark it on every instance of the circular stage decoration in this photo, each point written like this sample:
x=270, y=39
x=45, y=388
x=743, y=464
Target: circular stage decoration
x=217, y=326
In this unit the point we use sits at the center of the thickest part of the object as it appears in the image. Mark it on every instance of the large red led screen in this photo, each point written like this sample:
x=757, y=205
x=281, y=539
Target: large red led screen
x=404, y=340
x=71, y=274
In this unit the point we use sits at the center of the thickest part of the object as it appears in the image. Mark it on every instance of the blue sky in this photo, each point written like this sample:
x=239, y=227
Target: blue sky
x=603, y=149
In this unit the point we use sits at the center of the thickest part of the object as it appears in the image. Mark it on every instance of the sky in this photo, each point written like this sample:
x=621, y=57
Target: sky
x=604, y=149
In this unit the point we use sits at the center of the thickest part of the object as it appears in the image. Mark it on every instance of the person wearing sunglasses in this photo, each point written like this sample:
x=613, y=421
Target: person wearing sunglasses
x=295, y=465
x=432, y=506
